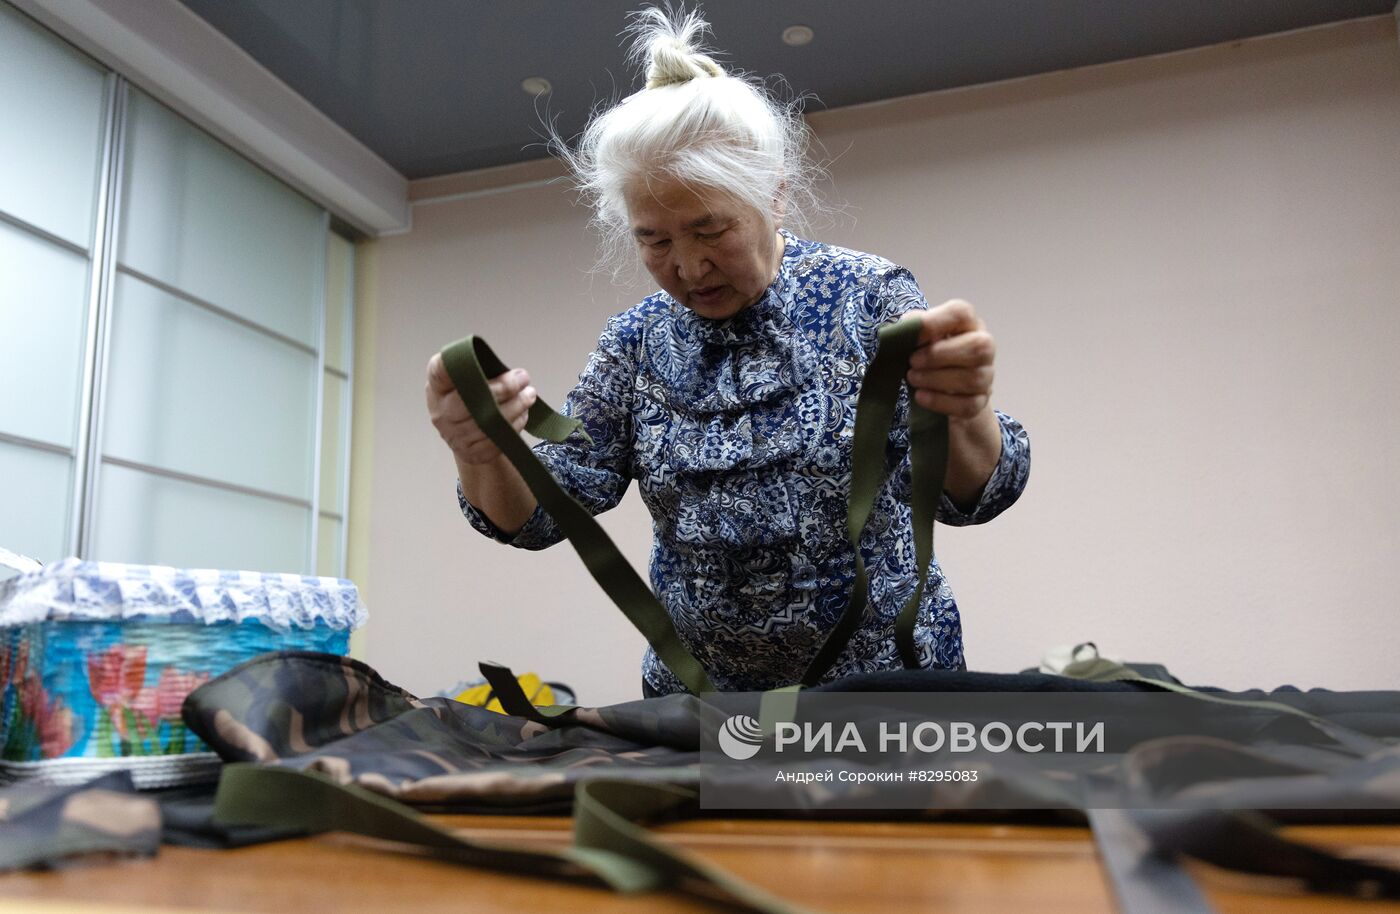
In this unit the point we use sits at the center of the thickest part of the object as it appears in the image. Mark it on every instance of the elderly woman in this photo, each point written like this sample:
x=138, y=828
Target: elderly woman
x=729, y=395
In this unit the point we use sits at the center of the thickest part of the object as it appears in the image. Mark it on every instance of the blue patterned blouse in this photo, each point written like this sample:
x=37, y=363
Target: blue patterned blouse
x=738, y=433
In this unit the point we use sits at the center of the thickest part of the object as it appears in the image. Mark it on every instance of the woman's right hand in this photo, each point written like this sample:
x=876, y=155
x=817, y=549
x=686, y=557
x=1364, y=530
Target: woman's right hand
x=454, y=422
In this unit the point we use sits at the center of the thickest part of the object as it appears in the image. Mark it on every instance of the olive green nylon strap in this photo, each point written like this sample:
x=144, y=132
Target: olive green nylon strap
x=1143, y=881
x=268, y=795
x=605, y=813
x=928, y=457
x=1099, y=669
x=469, y=362
x=609, y=847
x=777, y=705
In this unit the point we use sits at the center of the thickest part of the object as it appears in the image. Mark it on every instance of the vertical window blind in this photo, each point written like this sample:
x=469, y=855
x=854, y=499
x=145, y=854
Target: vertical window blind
x=175, y=334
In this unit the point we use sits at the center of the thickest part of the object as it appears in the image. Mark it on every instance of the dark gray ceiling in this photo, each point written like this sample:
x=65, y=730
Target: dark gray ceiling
x=433, y=86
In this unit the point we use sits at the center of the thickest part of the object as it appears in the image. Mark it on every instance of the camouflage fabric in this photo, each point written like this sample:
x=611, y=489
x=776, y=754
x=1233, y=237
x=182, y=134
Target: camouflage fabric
x=42, y=826
x=337, y=717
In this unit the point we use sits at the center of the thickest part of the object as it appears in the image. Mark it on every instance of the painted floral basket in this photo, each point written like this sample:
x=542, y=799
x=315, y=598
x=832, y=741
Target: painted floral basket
x=96, y=659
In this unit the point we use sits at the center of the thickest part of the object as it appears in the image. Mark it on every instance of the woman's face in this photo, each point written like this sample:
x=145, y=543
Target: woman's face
x=710, y=252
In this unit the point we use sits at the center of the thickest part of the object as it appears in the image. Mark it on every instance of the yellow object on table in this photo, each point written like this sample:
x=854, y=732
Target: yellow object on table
x=481, y=694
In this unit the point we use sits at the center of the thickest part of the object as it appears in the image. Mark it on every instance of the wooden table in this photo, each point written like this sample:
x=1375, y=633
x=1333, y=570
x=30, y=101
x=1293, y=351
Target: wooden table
x=829, y=866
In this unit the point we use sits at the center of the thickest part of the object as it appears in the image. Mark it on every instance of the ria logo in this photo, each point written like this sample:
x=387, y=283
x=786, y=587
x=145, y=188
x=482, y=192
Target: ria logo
x=740, y=737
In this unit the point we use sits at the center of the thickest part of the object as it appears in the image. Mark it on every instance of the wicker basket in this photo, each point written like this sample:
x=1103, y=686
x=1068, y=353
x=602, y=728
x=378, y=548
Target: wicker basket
x=96, y=659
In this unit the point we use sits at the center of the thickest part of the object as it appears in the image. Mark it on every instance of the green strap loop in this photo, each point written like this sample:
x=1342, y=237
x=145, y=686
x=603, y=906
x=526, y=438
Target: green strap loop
x=608, y=846
x=1099, y=669
x=311, y=802
x=777, y=705
x=928, y=460
x=928, y=447
x=604, y=816
x=469, y=362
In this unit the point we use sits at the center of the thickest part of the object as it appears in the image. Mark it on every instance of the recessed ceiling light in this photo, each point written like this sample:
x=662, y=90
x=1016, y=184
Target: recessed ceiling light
x=536, y=86
x=797, y=35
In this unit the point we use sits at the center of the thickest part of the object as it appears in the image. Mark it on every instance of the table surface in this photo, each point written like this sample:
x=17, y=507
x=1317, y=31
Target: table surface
x=828, y=866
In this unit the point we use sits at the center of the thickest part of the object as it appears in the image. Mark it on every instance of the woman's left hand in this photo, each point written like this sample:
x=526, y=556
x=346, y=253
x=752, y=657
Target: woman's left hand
x=951, y=371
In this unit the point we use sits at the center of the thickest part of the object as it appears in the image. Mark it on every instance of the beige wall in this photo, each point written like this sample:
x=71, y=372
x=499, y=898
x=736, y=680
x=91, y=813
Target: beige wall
x=1191, y=265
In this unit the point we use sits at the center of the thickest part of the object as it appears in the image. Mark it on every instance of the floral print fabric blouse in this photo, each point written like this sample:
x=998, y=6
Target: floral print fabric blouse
x=738, y=433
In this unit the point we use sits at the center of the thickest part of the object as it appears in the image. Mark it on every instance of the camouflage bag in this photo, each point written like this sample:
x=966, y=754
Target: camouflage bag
x=334, y=746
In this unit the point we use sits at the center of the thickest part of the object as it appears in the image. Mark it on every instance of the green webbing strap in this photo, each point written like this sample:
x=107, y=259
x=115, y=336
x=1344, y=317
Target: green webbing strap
x=928, y=446
x=928, y=460
x=777, y=705
x=604, y=816
x=1147, y=881
x=311, y=802
x=1099, y=669
x=608, y=846
x=1143, y=881
x=1249, y=842
x=469, y=362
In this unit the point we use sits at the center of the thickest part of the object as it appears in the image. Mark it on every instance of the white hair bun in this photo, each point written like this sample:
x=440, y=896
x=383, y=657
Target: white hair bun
x=668, y=42
x=729, y=135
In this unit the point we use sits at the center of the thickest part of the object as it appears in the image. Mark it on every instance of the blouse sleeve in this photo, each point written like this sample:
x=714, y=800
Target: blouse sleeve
x=1004, y=486
x=597, y=474
x=895, y=296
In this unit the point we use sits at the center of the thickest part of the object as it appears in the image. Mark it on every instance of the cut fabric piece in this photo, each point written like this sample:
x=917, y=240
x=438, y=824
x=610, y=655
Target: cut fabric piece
x=338, y=720
x=47, y=827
